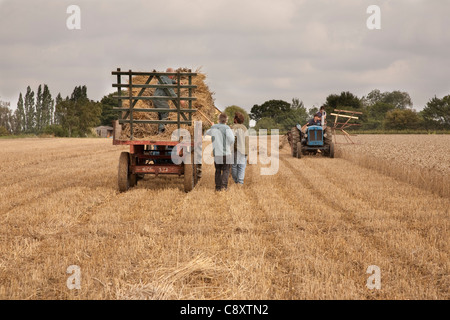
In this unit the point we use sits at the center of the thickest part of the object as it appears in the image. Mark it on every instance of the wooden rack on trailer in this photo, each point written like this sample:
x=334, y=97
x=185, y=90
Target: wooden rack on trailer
x=155, y=156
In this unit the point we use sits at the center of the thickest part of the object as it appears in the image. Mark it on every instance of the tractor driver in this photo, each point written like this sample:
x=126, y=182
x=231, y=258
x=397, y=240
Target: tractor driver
x=316, y=121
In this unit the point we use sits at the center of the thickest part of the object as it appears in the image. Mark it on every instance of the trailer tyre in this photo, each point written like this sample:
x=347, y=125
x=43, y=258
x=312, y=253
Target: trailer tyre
x=132, y=177
x=189, y=175
x=124, y=169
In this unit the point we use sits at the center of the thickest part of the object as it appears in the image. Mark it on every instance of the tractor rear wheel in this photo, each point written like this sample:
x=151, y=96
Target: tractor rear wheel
x=295, y=134
x=331, y=151
x=299, y=150
x=124, y=169
x=328, y=137
x=190, y=173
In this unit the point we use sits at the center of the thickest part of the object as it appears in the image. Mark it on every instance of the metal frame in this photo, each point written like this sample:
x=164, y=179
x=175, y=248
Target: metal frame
x=343, y=125
x=185, y=114
x=140, y=154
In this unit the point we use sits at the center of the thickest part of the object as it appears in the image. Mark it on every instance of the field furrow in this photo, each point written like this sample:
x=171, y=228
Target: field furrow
x=308, y=232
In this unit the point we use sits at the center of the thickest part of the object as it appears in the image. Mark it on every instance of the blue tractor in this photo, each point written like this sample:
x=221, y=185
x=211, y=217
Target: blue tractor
x=315, y=140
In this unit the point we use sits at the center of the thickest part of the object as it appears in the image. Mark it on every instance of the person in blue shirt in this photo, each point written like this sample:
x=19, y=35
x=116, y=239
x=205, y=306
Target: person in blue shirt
x=164, y=104
x=316, y=121
x=223, y=140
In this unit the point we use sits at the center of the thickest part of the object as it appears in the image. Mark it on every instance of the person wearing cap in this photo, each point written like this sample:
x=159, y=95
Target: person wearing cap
x=316, y=121
x=164, y=104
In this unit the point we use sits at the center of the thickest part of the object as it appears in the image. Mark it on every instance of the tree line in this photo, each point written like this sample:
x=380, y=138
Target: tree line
x=75, y=115
x=381, y=111
x=40, y=113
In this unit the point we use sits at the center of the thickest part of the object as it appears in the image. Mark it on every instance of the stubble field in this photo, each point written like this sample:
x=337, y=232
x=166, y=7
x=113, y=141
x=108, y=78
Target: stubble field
x=308, y=232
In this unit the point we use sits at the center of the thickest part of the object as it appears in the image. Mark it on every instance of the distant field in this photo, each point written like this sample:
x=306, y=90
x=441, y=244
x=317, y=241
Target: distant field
x=308, y=232
x=423, y=160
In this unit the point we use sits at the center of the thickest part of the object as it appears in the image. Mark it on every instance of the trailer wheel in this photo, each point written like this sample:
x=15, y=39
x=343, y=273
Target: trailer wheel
x=331, y=152
x=189, y=175
x=132, y=177
x=295, y=133
x=299, y=150
x=124, y=166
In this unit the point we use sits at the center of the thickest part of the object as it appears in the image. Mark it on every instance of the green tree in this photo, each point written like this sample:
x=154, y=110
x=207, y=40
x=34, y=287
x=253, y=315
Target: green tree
x=436, y=113
x=89, y=113
x=278, y=114
x=346, y=100
x=5, y=117
x=402, y=119
x=312, y=111
x=78, y=114
x=47, y=107
x=297, y=114
x=296, y=103
x=38, y=110
x=19, y=116
x=398, y=99
x=269, y=109
x=231, y=110
x=108, y=113
x=3, y=131
x=56, y=115
x=375, y=115
x=67, y=118
x=266, y=123
x=29, y=111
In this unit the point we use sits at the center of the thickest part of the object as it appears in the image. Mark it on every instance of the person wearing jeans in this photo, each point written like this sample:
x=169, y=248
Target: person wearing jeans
x=222, y=140
x=240, y=149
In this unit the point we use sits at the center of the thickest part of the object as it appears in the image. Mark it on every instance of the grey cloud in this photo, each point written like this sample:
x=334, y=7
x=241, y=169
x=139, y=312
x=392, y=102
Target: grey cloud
x=252, y=51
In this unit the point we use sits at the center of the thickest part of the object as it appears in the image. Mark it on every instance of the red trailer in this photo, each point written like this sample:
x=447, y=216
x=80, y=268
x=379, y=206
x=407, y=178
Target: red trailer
x=155, y=156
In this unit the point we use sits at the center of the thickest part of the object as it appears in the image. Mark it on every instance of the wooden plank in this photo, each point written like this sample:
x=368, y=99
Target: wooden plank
x=174, y=86
x=155, y=110
x=348, y=111
x=204, y=116
x=343, y=115
x=155, y=121
x=156, y=98
x=117, y=132
x=137, y=73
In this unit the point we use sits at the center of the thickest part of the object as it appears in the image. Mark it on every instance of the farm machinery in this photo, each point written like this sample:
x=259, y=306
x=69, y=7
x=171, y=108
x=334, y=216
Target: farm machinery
x=317, y=139
x=155, y=156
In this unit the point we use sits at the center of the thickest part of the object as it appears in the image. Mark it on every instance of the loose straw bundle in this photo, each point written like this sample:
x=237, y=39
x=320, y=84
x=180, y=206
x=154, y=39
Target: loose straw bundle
x=204, y=103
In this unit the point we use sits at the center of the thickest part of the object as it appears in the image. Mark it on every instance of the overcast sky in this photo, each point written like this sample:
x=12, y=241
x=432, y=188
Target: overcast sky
x=251, y=50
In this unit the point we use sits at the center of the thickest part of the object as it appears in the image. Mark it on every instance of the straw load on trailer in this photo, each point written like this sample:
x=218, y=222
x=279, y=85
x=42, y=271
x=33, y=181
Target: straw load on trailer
x=204, y=103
